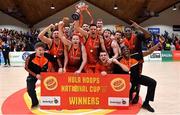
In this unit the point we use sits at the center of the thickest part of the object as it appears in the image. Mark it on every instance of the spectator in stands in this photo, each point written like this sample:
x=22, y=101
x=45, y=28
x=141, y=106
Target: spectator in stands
x=167, y=45
x=172, y=47
x=177, y=45
x=28, y=46
x=155, y=39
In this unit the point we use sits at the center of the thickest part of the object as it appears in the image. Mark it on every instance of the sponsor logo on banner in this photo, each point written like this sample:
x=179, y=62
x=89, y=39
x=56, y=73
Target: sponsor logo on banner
x=154, y=30
x=50, y=83
x=117, y=101
x=118, y=84
x=156, y=56
x=25, y=55
x=50, y=100
x=166, y=55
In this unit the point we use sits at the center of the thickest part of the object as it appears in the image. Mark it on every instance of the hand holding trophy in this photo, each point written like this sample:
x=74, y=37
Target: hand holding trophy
x=79, y=8
x=63, y=23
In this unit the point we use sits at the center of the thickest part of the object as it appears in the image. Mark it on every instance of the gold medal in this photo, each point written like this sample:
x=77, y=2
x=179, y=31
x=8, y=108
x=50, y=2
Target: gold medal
x=91, y=50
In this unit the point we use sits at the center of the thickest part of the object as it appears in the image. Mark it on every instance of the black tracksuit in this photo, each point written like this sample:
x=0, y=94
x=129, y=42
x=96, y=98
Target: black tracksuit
x=136, y=78
x=34, y=67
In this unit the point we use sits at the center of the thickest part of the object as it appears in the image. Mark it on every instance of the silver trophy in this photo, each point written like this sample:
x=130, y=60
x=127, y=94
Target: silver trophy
x=76, y=15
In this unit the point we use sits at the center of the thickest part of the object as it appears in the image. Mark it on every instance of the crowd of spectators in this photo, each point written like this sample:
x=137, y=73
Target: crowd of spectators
x=171, y=42
x=19, y=41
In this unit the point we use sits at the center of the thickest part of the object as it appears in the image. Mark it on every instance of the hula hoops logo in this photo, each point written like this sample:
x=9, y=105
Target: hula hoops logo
x=25, y=55
x=50, y=83
x=118, y=84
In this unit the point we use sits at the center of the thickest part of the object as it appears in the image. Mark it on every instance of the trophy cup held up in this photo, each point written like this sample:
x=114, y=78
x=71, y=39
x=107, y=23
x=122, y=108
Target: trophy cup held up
x=81, y=6
x=75, y=16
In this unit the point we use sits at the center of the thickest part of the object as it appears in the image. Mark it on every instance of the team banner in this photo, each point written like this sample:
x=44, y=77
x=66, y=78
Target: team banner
x=84, y=91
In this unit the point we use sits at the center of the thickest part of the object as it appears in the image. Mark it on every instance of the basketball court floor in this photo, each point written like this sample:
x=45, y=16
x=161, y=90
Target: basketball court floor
x=167, y=75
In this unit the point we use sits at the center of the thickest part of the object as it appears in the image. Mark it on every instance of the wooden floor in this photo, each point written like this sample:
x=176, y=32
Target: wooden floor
x=167, y=75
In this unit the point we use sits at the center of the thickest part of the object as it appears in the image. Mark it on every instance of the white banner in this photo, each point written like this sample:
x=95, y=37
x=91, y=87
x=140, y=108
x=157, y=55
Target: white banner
x=18, y=58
